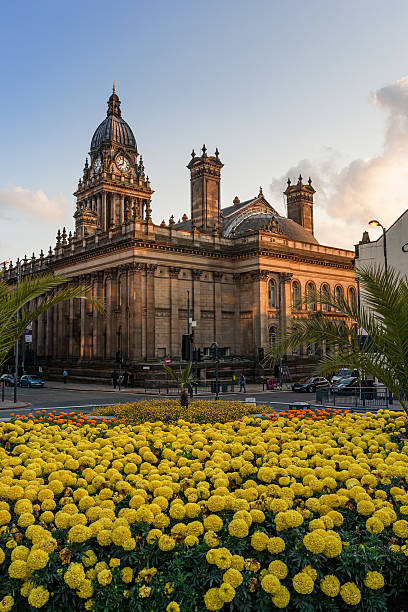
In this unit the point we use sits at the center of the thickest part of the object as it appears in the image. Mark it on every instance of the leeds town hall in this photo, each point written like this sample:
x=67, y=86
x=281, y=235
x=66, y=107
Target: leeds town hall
x=245, y=267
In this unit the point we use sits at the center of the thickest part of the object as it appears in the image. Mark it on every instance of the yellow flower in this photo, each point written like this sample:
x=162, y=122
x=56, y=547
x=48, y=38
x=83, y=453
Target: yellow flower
x=144, y=591
x=350, y=593
x=173, y=607
x=303, y=583
x=38, y=597
x=374, y=580
x=37, y=559
x=276, y=545
x=114, y=562
x=6, y=603
x=104, y=577
x=281, y=598
x=259, y=540
x=238, y=528
x=74, y=575
x=400, y=528
x=226, y=592
x=314, y=542
x=19, y=569
x=270, y=584
x=127, y=574
x=330, y=585
x=166, y=543
x=86, y=589
x=278, y=568
x=213, y=600
x=233, y=576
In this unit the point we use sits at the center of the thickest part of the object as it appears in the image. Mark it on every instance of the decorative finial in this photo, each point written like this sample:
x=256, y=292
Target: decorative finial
x=309, y=181
x=50, y=252
x=217, y=153
x=113, y=89
x=260, y=192
x=41, y=254
x=300, y=179
x=236, y=201
x=204, y=150
x=193, y=154
x=288, y=182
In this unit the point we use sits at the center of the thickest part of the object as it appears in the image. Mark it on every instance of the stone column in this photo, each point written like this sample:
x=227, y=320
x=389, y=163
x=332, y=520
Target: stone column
x=136, y=315
x=217, y=307
x=82, y=343
x=108, y=316
x=196, y=310
x=103, y=215
x=150, y=311
x=40, y=334
x=237, y=348
x=260, y=308
x=121, y=209
x=175, y=331
x=71, y=328
x=48, y=332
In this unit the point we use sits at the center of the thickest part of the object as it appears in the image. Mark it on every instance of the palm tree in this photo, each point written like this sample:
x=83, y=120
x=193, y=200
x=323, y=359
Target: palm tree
x=184, y=380
x=372, y=338
x=21, y=305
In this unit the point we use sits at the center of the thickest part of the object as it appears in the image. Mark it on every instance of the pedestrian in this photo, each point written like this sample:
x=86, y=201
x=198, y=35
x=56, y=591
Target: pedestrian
x=131, y=380
x=125, y=378
x=115, y=378
x=242, y=383
x=65, y=376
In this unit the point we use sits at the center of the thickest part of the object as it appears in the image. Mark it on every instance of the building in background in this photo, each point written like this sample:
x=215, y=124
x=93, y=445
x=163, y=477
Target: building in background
x=371, y=252
x=231, y=260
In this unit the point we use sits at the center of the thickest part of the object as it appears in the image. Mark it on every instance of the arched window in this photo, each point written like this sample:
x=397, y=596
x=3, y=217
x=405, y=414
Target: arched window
x=272, y=293
x=272, y=336
x=325, y=295
x=310, y=296
x=352, y=298
x=339, y=293
x=296, y=303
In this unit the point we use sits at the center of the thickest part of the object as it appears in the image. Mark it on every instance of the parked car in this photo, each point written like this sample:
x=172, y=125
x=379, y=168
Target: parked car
x=8, y=380
x=346, y=386
x=309, y=385
x=31, y=380
x=344, y=373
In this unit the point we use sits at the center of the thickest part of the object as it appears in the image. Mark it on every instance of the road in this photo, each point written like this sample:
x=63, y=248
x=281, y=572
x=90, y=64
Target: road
x=84, y=400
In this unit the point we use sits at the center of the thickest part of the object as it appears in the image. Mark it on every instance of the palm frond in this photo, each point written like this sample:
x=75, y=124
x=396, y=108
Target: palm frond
x=21, y=305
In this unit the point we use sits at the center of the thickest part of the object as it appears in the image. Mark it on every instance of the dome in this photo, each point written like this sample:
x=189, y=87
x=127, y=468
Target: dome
x=113, y=129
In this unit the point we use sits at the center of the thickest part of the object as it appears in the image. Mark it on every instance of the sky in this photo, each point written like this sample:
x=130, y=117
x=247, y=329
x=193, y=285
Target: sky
x=281, y=88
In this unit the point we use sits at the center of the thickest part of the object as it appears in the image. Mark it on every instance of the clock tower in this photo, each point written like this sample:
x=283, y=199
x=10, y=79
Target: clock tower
x=114, y=189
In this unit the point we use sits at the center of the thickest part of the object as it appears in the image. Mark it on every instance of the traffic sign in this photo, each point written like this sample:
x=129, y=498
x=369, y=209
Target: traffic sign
x=167, y=360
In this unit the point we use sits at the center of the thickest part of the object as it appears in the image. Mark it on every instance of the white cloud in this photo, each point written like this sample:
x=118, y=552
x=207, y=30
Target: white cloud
x=36, y=204
x=348, y=197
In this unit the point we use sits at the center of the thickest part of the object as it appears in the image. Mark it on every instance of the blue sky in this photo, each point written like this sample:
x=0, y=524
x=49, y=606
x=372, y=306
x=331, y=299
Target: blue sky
x=313, y=86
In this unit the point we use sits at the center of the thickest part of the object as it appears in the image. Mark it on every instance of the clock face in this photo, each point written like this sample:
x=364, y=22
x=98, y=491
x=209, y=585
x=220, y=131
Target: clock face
x=97, y=164
x=122, y=163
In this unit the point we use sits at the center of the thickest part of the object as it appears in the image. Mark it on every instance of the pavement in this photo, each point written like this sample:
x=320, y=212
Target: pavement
x=77, y=397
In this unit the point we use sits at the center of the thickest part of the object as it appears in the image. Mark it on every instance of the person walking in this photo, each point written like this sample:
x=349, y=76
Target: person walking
x=65, y=376
x=115, y=378
x=242, y=383
x=131, y=380
x=125, y=378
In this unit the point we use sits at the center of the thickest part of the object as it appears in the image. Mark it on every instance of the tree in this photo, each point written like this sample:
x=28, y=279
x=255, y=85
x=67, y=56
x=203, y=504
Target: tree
x=19, y=305
x=184, y=380
x=373, y=337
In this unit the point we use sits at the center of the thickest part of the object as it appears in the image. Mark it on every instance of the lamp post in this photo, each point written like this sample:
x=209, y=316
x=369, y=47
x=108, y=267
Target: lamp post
x=282, y=279
x=16, y=345
x=376, y=223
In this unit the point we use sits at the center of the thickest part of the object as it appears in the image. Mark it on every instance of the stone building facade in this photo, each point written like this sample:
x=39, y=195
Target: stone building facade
x=231, y=261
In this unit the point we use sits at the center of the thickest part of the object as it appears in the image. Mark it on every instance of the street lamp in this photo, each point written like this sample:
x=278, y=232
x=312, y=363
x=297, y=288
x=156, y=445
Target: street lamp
x=282, y=279
x=376, y=223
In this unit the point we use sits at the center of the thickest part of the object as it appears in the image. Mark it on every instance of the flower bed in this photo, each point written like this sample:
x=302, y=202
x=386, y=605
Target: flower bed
x=294, y=513
x=170, y=410
x=201, y=411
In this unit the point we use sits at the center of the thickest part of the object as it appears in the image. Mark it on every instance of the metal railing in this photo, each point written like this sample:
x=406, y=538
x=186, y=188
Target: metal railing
x=170, y=387
x=361, y=397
